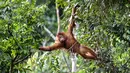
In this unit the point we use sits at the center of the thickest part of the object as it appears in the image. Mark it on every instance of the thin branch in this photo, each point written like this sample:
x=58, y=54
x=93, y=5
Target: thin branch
x=15, y=58
x=58, y=18
x=74, y=62
x=63, y=54
x=26, y=57
x=48, y=31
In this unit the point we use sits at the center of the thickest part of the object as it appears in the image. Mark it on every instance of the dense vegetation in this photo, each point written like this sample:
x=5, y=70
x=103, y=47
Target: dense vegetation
x=104, y=26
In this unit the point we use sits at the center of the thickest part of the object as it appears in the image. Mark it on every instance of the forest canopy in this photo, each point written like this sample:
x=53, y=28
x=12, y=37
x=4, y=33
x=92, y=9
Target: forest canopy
x=104, y=26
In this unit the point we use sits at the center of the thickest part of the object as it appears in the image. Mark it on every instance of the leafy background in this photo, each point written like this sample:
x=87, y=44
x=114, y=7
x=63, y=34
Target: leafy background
x=104, y=26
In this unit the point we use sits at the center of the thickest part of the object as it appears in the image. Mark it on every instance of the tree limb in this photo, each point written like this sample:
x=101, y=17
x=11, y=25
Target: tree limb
x=58, y=18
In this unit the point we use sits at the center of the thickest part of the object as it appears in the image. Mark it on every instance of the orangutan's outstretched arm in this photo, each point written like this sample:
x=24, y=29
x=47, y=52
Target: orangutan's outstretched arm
x=55, y=46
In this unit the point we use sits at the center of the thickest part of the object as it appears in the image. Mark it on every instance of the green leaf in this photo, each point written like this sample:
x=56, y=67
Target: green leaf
x=13, y=53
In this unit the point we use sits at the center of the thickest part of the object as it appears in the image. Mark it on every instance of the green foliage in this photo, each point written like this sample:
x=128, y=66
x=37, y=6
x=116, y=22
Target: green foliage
x=21, y=30
x=104, y=26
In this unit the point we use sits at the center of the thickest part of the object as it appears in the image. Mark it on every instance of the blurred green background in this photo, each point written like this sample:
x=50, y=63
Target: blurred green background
x=104, y=27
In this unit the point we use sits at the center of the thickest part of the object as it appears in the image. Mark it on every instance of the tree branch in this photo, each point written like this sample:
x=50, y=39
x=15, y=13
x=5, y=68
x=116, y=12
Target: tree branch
x=58, y=18
x=48, y=31
x=26, y=57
